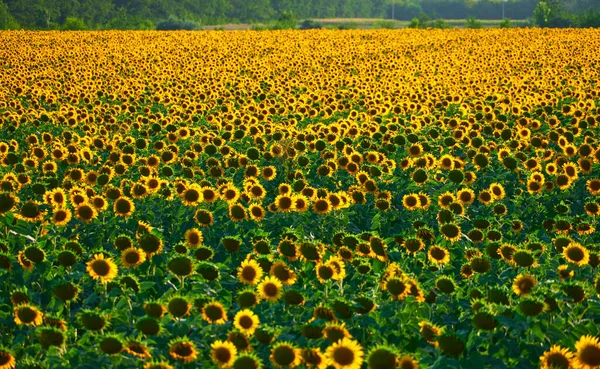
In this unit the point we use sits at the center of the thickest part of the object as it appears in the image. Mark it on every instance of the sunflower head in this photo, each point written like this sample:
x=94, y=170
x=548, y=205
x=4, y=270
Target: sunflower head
x=345, y=354
x=183, y=349
x=382, y=357
x=223, y=353
x=284, y=354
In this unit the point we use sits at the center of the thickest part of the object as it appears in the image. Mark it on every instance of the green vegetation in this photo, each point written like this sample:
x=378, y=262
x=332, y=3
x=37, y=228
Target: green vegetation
x=284, y=14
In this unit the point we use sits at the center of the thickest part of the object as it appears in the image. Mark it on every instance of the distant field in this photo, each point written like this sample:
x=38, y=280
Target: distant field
x=370, y=23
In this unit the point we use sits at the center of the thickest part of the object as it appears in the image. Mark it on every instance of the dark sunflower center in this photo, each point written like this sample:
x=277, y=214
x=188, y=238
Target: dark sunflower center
x=85, y=212
x=123, y=206
x=101, y=267
x=270, y=289
x=238, y=212
x=411, y=201
x=193, y=238
x=343, y=356
x=246, y=322
x=437, y=253
x=590, y=355
x=396, y=287
x=282, y=273
x=137, y=348
x=60, y=216
x=27, y=315
x=249, y=273
x=284, y=355
x=223, y=355
x=192, y=195
x=325, y=272
x=575, y=254
x=213, y=312
x=285, y=203
x=132, y=257
x=183, y=350
x=322, y=205
x=30, y=210
x=558, y=361
x=381, y=359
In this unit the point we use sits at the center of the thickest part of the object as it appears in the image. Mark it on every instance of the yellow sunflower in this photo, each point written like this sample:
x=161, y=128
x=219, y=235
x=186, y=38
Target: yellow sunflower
x=270, y=289
x=100, y=268
x=588, y=353
x=250, y=272
x=223, y=353
x=246, y=321
x=345, y=354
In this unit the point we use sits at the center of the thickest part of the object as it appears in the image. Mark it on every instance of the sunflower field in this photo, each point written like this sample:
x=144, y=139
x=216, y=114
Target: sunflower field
x=310, y=199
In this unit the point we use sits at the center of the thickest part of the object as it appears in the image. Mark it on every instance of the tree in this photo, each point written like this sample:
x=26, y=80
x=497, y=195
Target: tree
x=7, y=21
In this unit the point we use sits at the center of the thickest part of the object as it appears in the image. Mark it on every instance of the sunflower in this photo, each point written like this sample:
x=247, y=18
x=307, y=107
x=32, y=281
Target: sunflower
x=85, y=212
x=223, y=353
x=301, y=203
x=30, y=212
x=593, y=186
x=247, y=361
x=497, y=191
x=257, y=212
x=209, y=194
x=335, y=331
x=430, y=332
x=285, y=203
x=132, y=257
x=557, y=357
x=150, y=243
x=56, y=198
x=382, y=357
x=411, y=201
x=451, y=232
x=283, y=273
x=61, y=217
x=576, y=254
x=237, y=212
x=246, y=321
x=322, y=206
x=229, y=193
x=466, y=196
x=204, y=218
x=345, y=354
x=250, y=272
x=284, y=354
x=28, y=315
x=325, y=272
x=588, y=353
x=193, y=237
x=407, y=362
x=123, y=207
x=192, y=195
x=269, y=173
x=445, y=199
x=397, y=287
x=314, y=358
x=214, y=313
x=270, y=289
x=24, y=262
x=183, y=349
x=137, y=349
x=100, y=268
x=523, y=284
x=438, y=255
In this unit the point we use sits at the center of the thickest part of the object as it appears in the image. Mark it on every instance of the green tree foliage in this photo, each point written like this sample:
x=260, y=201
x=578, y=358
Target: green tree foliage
x=145, y=14
x=7, y=21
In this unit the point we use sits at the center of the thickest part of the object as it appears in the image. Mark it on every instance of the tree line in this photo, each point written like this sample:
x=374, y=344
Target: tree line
x=146, y=14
